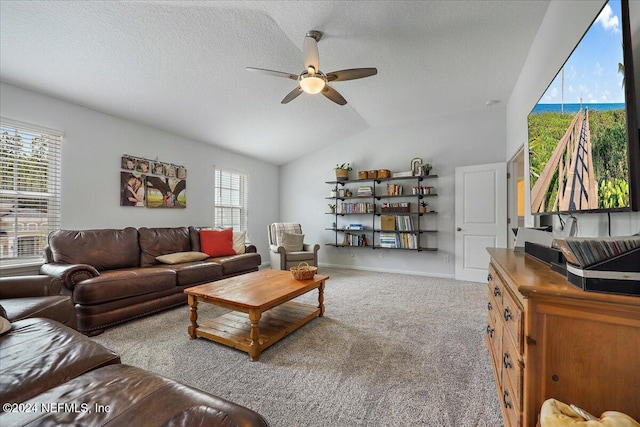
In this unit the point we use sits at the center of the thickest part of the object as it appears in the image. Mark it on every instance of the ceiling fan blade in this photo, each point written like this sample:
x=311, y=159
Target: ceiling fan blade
x=351, y=74
x=274, y=73
x=291, y=95
x=311, y=56
x=333, y=95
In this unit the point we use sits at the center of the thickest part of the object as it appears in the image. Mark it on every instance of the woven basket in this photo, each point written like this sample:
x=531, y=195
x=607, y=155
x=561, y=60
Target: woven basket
x=303, y=271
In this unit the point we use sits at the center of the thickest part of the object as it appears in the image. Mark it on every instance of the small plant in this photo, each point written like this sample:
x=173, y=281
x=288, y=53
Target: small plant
x=346, y=166
x=332, y=207
x=426, y=168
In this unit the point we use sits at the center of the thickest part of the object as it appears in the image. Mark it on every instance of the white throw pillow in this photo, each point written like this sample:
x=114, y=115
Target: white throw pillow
x=292, y=242
x=239, y=238
x=180, y=257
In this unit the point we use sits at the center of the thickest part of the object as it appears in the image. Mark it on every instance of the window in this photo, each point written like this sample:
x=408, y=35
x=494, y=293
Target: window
x=231, y=190
x=29, y=189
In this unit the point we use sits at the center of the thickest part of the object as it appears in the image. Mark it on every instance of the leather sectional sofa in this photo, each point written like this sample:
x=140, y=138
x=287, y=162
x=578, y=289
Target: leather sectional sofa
x=113, y=276
x=53, y=375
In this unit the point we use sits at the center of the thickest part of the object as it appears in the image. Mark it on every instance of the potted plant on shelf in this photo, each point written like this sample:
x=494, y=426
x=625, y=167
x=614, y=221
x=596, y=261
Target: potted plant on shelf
x=332, y=208
x=424, y=207
x=426, y=168
x=342, y=171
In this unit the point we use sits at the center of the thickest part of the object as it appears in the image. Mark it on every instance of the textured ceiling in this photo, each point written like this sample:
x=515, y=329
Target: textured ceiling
x=180, y=66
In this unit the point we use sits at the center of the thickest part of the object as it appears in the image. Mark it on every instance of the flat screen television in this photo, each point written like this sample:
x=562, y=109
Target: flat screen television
x=584, y=142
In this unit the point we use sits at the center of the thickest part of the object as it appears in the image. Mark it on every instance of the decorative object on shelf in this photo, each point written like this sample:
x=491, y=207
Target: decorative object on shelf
x=416, y=167
x=342, y=171
x=426, y=169
x=362, y=175
x=348, y=193
x=384, y=173
x=402, y=174
x=424, y=207
x=333, y=193
x=372, y=174
x=303, y=271
x=332, y=208
x=341, y=193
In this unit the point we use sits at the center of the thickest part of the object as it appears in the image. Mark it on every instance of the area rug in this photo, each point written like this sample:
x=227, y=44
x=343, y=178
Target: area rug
x=391, y=350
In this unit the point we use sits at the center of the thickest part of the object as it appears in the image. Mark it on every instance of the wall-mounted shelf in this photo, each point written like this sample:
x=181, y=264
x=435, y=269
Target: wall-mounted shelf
x=415, y=224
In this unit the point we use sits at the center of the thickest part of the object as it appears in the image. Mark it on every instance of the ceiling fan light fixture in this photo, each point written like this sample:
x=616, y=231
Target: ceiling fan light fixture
x=312, y=84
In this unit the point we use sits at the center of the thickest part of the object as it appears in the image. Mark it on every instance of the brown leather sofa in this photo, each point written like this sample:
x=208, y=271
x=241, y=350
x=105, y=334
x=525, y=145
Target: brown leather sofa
x=113, y=276
x=53, y=375
x=22, y=297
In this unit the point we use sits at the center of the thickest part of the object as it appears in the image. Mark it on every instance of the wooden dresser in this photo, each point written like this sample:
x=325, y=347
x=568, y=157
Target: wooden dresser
x=549, y=339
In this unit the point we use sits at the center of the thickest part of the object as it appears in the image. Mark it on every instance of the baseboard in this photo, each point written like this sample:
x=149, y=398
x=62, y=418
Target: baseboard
x=385, y=270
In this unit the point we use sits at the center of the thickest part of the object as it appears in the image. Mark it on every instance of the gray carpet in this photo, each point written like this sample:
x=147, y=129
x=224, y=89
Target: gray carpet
x=392, y=350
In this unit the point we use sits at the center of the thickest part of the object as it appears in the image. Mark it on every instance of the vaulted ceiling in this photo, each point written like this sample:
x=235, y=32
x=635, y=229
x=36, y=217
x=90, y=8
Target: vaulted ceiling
x=179, y=66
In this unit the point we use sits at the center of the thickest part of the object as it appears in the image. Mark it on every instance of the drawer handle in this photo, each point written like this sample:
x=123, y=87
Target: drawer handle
x=505, y=360
x=489, y=306
x=507, y=314
x=489, y=277
x=490, y=331
x=496, y=291
x=507, y=403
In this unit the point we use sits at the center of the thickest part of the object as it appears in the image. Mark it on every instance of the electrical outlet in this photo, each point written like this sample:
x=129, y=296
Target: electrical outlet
x=446, y=258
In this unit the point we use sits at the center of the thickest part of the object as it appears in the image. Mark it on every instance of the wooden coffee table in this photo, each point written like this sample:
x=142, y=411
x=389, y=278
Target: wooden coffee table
x=266, y=296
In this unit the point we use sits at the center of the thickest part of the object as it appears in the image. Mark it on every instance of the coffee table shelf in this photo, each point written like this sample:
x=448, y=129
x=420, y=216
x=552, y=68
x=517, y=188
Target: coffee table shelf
x=233, y=328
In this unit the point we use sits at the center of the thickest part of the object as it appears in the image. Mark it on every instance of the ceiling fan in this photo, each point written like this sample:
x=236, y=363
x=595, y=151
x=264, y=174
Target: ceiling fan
x=311, y=80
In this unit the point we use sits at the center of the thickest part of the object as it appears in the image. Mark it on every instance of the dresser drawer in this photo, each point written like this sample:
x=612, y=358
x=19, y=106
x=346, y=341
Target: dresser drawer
x=510, y=408
x=512, y=367
x=494, y=342
x=511, y=313
x=496, y=287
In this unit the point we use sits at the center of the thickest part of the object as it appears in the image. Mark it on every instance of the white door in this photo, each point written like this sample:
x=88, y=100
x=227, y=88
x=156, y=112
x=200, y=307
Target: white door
x=480, y=218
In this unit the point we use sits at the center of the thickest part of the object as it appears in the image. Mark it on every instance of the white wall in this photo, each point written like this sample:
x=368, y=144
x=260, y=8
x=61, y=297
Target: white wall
x=448, y=142
x=92, y=146
x=563, y=26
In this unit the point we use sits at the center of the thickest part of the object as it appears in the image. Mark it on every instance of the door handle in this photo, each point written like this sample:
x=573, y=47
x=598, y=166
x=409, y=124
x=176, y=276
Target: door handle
x=458, y=229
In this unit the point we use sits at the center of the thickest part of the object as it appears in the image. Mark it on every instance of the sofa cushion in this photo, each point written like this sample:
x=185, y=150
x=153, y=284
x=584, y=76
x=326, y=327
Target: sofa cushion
x=241, y=263
x=103, y=249
x=116, y=284
x=181, y=257
x=135, y=397
x=39, y=354
x=5, y=325
x=217, y=242
x=162, y=241
x=197, y=272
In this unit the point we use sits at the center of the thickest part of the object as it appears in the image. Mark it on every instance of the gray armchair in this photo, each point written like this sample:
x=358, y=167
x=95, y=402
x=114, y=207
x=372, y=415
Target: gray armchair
x=283, y=259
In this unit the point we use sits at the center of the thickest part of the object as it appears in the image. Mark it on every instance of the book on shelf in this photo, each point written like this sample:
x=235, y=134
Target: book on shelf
x=586, y=251
x=365, y=191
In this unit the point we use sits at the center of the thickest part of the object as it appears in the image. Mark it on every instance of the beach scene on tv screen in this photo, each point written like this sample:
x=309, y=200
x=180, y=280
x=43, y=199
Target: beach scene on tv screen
x=577, y=131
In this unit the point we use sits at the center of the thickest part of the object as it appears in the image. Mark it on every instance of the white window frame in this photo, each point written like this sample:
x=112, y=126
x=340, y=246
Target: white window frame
x=14, y=230
x=229, y=183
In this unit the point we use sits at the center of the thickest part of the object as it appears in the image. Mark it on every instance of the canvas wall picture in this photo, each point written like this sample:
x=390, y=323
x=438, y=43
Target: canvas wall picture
x=132, y=189
x=165, y=192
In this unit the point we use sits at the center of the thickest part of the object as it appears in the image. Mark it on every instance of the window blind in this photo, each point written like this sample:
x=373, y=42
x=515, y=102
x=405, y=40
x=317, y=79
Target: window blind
x=29, y=189
x=231, y=195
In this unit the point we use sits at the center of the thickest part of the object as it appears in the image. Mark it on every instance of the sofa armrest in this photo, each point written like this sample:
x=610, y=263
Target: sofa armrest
x=250, y=249
x=29, y=286
x=69, y=274
x=311, y=248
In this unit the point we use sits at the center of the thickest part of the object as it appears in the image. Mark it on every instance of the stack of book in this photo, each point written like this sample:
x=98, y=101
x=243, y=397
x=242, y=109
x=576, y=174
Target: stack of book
x=395, y=190
x=354, y=240
x=586, y=251
x=388, y=240
x=365, y=191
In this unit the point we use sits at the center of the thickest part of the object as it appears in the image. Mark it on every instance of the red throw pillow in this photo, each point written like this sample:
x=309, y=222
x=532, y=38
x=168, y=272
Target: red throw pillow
x=217, y=242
